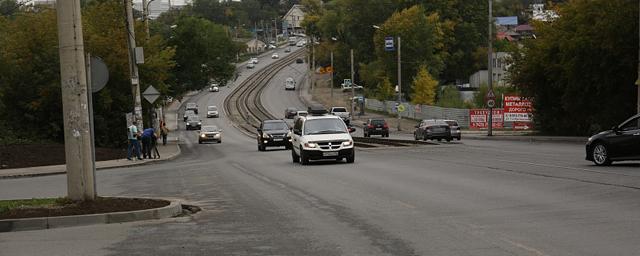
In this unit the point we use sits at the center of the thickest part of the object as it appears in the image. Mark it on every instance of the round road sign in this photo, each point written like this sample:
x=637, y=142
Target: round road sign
x=491, y=103
x=401, y=108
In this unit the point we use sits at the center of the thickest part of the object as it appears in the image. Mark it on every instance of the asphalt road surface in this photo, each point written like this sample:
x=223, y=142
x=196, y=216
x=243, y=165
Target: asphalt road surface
x=462, y=198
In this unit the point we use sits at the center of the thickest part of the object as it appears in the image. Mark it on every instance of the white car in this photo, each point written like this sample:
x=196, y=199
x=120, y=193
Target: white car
x=254, y=60
x=214, y=88
x=289, y=84
x=274, y=56
x=212, y=111
x=271, y=46
x=321, y=136
x=210, y=133
x=251, y=65
x=300, y=43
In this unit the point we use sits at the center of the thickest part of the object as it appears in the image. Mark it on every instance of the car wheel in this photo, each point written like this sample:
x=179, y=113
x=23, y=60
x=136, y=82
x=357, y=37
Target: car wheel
x=459, y=138
x=262, y=148
x=199, y=142
x=415, y=136
x=303, y=158
x=600, y=155
x=351, y=158
x=220, y=141
x=295, y=158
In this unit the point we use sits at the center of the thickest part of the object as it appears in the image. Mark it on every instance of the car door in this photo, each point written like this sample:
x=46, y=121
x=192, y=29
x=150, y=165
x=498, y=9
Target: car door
x=295, y=137
x=626, y=142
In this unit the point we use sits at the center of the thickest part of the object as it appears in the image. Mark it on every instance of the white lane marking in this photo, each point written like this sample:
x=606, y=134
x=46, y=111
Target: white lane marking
x=406, y=205
x=524, y=247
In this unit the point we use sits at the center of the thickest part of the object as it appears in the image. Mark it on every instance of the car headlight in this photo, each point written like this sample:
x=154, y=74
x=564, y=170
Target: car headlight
x=347, y=143
x=217, y=135
x=199, y=123
x=266, y=135
x=203, y=135
x=310, y=145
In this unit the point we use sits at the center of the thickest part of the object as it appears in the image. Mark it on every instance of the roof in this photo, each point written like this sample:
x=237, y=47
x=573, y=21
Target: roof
x=504, y=36
x=524, y=27
x=507, y=21
x=311, y=117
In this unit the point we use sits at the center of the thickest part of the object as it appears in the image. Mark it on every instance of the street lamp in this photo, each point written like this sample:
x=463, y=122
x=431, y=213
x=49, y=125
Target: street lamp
x=399, y=91
x=145, y=14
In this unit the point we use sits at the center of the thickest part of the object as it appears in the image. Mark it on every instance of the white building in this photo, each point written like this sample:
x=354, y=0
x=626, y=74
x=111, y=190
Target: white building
x=292, y=21
x=255, y=46
x=499, y=70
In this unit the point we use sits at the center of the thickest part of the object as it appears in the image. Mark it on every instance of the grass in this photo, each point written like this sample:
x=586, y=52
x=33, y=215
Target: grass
x=7, y=205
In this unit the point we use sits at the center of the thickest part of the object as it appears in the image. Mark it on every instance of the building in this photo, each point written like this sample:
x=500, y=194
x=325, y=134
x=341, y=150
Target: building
x=255, y=46
x=499, y=70
x=292, y=21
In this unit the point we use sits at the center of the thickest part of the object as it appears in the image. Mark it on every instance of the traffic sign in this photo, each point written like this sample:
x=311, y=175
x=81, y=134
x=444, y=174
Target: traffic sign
x=491, y=95
x=388, y=44
x=151, y=94
x=491, y=103
x=401, y=108
x=99, y=74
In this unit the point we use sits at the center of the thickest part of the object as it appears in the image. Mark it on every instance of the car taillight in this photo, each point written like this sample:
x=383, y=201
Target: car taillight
x=386, y=125
x=370, y=126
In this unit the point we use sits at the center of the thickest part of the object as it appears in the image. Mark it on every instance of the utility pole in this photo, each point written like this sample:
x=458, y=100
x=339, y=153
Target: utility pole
x=145, y=15
x=133, y=67
x=399, y=81
x=353, y=85
x=490, y=67
x=313, y=63
x=73, y=76
x=331, y=85
x=638, y=81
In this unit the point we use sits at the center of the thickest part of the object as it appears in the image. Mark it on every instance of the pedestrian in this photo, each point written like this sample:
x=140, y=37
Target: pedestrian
x=154, y=146
x=147, y=136
x=132, y=134
x=164, y=131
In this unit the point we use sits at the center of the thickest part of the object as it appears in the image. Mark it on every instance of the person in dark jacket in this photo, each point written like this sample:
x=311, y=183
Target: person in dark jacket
x=147, y=136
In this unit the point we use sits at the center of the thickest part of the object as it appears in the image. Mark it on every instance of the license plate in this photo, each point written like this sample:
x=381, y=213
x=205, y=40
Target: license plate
x=277, y=139
x=330, y=154
x=378, y=129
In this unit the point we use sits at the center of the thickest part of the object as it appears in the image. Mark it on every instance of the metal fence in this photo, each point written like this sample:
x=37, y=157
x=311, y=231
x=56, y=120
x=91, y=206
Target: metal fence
x=422, y=111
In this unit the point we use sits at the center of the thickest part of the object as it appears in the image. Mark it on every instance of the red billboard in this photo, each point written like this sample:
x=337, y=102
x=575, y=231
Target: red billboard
x=517, y=109
x=479, y=118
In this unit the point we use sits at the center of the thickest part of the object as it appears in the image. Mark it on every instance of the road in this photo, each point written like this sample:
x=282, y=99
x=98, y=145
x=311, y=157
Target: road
x=459, y=198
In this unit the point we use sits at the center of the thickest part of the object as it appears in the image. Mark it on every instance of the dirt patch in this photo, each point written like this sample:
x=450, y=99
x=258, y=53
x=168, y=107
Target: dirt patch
x=19, y=156
x=67, y=207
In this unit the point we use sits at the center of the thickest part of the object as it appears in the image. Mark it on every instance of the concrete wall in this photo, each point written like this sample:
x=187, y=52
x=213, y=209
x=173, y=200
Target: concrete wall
x=424, y=112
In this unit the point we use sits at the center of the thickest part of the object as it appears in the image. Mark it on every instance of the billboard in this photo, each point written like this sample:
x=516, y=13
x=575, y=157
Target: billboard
x=479, y=118
x=517, y=109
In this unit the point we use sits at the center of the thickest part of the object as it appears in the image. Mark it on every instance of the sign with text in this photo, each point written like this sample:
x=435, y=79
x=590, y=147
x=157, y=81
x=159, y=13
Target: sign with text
x=479, y=118
x=388, y=44
x=517, y=109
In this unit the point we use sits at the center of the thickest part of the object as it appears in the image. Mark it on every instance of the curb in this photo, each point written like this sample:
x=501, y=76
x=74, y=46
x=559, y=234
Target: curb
x=576, y=140
x=28, y=175
x=172, y=210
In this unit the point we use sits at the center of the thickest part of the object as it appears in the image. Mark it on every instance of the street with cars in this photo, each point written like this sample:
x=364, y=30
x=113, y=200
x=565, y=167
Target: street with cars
x=453, y=197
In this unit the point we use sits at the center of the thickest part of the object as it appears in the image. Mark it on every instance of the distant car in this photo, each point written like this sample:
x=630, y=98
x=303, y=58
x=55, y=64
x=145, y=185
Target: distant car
x=376, y=126
x=273, y=133
x=254, y=60
x=289, y=84
x=187, y=114
x=290, y=113
x=299, y=60
x=192, y=106
x=210, y=133
x=620, y=143
x=288, y=49
x=214, y=88
x=212, y=111
x=274, y=56
x=169, y=99
x=271, y=46
x=193, y=123
x=301, y=113
x=250, y=65
x=455, y=129
x=432, y=130
x=300, y=43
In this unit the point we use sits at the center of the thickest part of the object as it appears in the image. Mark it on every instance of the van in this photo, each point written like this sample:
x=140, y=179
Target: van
x=289, y=84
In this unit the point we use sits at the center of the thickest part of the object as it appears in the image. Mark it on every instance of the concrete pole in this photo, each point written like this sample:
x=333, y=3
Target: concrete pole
x=133, y=67
x=313, y=63
x=145, y=15
x=399, y=81
x=490, y=67
x=73, y=75
x=353, y=85
x=331, y=85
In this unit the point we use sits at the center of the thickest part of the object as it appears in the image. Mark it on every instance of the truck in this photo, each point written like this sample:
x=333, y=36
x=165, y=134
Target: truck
x=342, y=113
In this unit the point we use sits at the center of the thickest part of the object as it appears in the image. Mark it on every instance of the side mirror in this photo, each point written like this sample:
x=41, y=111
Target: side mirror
x=365, y=124
x=352, y=129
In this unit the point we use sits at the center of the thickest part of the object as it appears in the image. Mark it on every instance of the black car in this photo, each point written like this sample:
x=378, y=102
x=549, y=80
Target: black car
x=299, y=60
x=621, y=143
x=193, y=123
x=377, y=127
x=192, y=106
x=432, y=130
x=273, y=133
x=290, y=113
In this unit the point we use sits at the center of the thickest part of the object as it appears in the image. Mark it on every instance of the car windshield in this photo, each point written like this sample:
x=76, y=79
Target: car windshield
x=435, y=122
x=209, y=128
x=377, y=122
x=452, y=123
x=189, y=113
x=324, y=126
x=192, y=118
x=212, y=108
x=191, y=105
x=275, y=126
x=339, y=110
x=302, y=113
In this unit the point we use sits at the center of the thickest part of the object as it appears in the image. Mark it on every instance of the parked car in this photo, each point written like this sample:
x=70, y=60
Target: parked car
x=376, y=126
x=251, y=65
x=192, y=106
x=432, y=130
x=299, y=60
x=214, y=88
x=188, y=113
x=455, y=129
x=212, y=111
x=193, y=123
x=620, y=143
x=210, y=133
x=290, y=112
x=274, y=55
x=289, y=84
x=273, y=133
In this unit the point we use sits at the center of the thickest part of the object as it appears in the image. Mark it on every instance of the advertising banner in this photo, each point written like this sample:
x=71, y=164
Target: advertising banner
x=517, y=109
x=478, y=118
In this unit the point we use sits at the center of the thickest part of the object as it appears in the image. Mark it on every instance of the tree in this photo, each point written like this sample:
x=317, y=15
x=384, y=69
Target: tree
x=424, y=87
x=581, y=73
x=449, y=97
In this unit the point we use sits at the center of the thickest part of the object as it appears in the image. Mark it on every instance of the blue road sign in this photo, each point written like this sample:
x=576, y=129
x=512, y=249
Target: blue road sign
x=388, y=44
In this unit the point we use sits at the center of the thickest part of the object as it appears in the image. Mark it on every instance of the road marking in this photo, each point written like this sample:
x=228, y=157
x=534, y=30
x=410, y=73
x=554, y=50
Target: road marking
x=566, y=167
x=524, y=247
x=406, y=205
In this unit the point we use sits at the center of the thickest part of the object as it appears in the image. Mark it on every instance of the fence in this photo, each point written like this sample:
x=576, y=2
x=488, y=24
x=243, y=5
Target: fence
x=422, y=111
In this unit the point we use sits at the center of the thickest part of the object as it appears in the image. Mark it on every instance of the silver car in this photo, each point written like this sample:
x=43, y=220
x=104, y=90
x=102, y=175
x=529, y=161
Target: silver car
x=210, y=133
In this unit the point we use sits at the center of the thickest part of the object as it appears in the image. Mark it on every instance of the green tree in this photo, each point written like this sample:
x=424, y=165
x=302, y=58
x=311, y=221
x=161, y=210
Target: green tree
x=581, y=73
x=449, y=97
x=424, y=87
x=385, y=90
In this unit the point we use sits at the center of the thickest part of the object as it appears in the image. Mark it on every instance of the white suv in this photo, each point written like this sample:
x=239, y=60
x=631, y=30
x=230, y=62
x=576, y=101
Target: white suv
x=320, y=136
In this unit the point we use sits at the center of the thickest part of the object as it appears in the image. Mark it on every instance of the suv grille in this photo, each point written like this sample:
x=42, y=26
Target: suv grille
x=330, y=145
